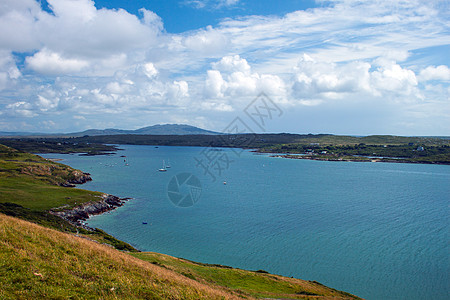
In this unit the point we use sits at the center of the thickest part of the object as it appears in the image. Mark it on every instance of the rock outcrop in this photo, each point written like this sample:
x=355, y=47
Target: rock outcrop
x=80, y=177
x=82, y=212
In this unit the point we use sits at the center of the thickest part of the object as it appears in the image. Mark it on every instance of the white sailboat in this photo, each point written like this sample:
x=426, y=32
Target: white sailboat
x=163, y=169
x=168, y=164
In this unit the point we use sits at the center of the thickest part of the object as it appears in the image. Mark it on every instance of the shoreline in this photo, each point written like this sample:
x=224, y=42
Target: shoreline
x=80, y=213
x=350, y=159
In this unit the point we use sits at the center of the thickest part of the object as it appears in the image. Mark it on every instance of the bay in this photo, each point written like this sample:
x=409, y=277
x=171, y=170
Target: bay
x=378, y=230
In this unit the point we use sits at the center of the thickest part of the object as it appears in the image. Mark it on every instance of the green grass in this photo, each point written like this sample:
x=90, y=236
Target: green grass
x=33, y=182
x=29, y=188
x=34, y=194
x=41, y=263
x=259, y=284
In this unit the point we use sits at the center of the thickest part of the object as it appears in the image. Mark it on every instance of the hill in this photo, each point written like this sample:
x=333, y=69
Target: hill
x=160, y=129
x=42, y=263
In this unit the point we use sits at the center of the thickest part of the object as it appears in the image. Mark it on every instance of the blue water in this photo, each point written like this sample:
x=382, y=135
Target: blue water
x=378, y=230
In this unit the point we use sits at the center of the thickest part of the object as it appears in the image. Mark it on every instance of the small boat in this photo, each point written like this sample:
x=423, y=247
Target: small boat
x=163, y=169
x=144, y=223
x=168, y=164
x=225, y=183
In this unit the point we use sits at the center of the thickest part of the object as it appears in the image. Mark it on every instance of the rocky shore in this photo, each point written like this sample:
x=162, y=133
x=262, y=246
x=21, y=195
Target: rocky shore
x=81, y=213
x=78, y=178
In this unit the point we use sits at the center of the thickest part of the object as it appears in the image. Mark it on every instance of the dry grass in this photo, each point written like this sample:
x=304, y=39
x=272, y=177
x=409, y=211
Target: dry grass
x=38, y=263
x=41, y=263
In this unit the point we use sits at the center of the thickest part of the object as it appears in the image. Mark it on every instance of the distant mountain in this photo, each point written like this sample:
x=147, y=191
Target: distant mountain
x=166, y=129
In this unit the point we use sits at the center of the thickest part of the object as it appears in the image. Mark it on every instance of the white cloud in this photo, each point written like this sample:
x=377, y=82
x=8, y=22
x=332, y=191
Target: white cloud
x=394, y=78
x=8, y=70
x=207, y=41
x=441, y=72
x=325, y=80
x=21, y=108
x=18, y=17
x=76, y=36
x=215, y=86
x=152, y=20
x=51, y=63
x=232, y=64
x=240, y=80
x=150, y=70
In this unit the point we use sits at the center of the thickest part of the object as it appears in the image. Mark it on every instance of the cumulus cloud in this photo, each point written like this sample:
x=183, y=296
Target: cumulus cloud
x=239, y=80
x=51, y=63
x=21, y=109
x=393, y=78
x=321, y=80
x=76, y=36
x=232, y=64
x=150, y=70
x=208, y=41
x=8, y=70
x=441, y=72
x=152, y=20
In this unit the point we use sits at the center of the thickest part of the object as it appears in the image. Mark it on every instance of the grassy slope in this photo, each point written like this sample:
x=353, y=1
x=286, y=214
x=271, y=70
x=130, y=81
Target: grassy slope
x=37, y=263
x=29, y=188
x=32, y=181
x=254, y=283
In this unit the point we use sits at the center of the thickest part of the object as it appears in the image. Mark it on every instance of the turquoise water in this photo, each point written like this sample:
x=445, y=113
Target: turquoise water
x=378, y=230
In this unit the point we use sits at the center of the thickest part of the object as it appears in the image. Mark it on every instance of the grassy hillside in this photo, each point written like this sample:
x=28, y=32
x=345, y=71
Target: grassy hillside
x=30, y=186
x=35, y=183
x=42, y=263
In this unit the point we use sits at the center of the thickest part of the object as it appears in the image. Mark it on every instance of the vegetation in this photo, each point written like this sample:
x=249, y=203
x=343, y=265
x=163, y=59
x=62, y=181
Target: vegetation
x=41, y=263
x=56, y=145
x=30, y=186
x=411, y=153
x=34, y=182
x=259, y=284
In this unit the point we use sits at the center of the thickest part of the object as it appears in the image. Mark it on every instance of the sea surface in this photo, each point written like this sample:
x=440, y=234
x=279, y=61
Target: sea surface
x=377, y=230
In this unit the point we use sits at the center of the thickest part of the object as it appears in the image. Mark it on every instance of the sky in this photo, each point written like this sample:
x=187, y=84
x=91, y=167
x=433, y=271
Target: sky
x=328, y=66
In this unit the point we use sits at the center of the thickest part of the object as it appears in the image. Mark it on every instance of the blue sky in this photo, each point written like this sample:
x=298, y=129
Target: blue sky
x=331, y=66
x=180, y=16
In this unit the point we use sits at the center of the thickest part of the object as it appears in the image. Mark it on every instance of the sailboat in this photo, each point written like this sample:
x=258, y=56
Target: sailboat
x=163, y=169
x=168, y=164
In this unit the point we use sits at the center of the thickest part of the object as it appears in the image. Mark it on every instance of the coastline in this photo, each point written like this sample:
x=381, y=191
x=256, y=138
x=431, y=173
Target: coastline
x=80, y=213
x=352, y=159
